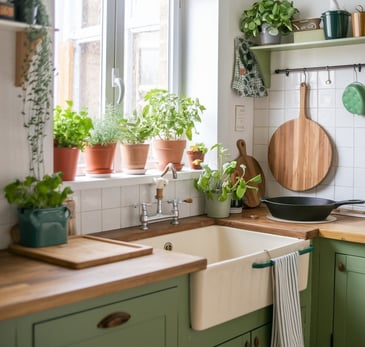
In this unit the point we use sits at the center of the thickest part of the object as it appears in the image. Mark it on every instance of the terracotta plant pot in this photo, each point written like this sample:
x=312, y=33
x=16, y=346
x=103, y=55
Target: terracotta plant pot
x=65, y=160
x=134, y=158
x=169, y=151
x=99, y=159
x=195, y=159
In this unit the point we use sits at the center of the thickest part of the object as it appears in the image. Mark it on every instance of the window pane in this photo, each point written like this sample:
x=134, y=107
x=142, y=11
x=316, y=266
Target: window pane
x=146, y=49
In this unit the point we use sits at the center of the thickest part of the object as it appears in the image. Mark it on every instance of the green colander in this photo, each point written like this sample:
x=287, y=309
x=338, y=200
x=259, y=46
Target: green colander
x=353, y=98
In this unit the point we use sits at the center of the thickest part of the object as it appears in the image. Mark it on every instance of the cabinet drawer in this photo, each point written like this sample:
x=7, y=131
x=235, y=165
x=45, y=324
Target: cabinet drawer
x=152, y=322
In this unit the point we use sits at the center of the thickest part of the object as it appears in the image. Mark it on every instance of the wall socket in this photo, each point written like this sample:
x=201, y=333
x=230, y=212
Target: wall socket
x=240, y=117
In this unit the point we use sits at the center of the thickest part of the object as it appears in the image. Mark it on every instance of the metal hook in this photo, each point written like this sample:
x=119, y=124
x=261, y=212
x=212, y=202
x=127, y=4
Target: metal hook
x=328, y=81
x=355, y=72
x=305, y=75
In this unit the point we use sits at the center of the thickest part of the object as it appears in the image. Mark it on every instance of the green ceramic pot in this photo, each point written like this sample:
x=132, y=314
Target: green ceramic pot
x=335, y=24
x=218, y=209
x=41, y=227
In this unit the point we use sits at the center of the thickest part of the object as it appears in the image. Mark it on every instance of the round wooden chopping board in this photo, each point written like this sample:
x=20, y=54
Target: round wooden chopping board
x=300, y=151
x=252, y=198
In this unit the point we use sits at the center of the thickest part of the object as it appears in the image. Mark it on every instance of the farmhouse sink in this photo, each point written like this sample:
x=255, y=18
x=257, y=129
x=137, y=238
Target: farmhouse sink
x=230, y=287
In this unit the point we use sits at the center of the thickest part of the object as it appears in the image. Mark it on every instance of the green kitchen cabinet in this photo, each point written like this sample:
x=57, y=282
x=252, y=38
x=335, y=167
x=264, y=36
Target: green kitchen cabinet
x=338, y=308
x=8, y=333
x=145, y=316
x=260, y=337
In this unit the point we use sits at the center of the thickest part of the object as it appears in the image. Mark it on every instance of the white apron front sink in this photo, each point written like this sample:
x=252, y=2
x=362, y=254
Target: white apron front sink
x=229, y=287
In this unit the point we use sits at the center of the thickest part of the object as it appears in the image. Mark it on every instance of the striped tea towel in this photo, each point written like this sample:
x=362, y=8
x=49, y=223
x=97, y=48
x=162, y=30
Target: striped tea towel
x=247, y=80
x=287, y=322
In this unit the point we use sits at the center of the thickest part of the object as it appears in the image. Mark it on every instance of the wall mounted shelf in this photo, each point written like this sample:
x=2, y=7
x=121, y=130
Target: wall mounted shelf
x=263, y=53
x=10, y=25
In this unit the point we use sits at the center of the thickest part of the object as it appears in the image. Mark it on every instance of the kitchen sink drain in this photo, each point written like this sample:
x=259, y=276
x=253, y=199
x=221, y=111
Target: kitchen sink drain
x=168, y=246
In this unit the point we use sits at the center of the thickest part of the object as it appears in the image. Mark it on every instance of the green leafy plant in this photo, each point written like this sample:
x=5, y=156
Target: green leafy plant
x=220, y=181
x=36, y=81
x=135, y=130
x=37, y=193
x=71, y=128
x=106, y=130
x=277, y=14
x=198, y=147
x=171, y=116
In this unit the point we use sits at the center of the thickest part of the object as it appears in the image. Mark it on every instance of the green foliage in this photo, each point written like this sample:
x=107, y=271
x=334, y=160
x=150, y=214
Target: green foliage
x=222, y=180
x=170, y=115
x=105, y=130
x=71, y=128
x=198, y=147
x=37, y=89
x=34, y=193
x=136, y=129
x=277, y=14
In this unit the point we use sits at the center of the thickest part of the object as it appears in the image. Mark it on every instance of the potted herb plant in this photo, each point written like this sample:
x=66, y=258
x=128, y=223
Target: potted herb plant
x=268, y=19
x=134, y=132
x=196, y=154
x=70, y=131
x=218, y=185
x=101, y=144
x=42, y=217
x=173, y=120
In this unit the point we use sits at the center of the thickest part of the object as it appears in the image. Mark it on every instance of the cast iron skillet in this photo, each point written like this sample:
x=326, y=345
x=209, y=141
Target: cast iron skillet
x=302, y=208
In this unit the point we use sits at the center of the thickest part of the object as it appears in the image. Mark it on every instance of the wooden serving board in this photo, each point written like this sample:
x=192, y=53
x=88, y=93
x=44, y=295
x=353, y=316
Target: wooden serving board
x=253, y=168
x=300, y=151
x=84, y=251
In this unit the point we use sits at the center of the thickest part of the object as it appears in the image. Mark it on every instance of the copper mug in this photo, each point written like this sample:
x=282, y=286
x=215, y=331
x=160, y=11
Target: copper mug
x=358, y=22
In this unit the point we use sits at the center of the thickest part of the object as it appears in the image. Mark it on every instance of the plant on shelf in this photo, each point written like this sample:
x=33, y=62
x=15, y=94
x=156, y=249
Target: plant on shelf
x=101, y=143
x=134, y=132
x=196, y=154
x=42, y=217
x=271, y=16
x=218, y=185
x=70, y=131
x=173, y=118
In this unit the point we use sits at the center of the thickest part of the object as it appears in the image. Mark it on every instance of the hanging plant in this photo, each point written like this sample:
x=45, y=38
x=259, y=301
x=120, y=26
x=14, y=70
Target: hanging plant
x=36, y=90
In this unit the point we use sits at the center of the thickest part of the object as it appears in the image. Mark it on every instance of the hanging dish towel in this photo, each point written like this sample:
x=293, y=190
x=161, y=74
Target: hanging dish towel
x=247, y=80
x=287, y=322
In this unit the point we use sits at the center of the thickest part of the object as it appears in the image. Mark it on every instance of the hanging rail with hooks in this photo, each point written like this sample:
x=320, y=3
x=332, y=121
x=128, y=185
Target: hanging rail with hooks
x=318, y=68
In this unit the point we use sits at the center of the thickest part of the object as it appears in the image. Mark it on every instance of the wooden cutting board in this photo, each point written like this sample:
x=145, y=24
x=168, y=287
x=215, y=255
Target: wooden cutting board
x=253, y=168
x=84, y=251
x=300, y=151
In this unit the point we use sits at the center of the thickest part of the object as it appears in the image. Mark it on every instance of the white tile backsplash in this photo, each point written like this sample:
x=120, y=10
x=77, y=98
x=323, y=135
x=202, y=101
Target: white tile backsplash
x=346, y=178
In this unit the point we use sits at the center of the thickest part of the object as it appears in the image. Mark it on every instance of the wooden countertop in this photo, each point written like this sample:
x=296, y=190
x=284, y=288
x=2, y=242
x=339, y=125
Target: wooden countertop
x=28, y=286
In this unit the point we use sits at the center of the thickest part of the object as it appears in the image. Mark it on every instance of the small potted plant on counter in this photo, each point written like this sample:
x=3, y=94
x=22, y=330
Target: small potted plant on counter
x=219, y=184
x=196, y=154
x=70, y=131
x=101, y=144
x=173, y=119
x=268, y=20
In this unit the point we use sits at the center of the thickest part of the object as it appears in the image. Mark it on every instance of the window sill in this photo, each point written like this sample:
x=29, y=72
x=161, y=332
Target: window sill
x=120, y=179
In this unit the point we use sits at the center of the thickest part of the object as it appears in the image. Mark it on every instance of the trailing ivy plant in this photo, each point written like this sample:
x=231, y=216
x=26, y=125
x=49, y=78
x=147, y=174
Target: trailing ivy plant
x=37, y=88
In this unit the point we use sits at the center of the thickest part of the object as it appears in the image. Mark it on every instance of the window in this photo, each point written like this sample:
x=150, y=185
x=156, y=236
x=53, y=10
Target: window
x=99, y=42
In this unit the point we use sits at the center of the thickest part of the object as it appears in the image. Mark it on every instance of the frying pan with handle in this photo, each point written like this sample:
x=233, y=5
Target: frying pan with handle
x=304, y=208
x=300, y=151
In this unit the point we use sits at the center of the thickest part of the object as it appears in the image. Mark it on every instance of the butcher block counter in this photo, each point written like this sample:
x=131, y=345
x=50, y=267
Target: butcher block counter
x=28, y=286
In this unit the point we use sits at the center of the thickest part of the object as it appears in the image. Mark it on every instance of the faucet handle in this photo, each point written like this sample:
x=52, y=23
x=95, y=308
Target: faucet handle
x=177, y=201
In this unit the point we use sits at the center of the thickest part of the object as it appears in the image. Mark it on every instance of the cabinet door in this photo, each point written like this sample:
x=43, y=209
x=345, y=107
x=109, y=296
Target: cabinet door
x=240, y=341
x=152, y=322
x=261, y=337
x=7, y=333
x=349, y=307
